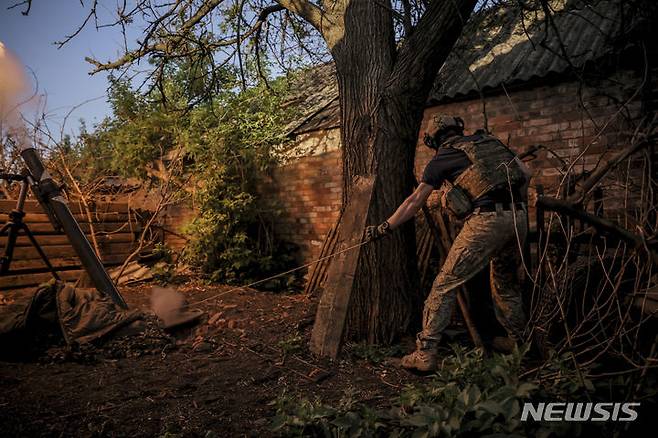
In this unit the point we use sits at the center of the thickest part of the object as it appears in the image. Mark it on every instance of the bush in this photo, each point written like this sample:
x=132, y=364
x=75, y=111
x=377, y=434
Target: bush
x=232, y=239
x=217, y=153
x=471, y=396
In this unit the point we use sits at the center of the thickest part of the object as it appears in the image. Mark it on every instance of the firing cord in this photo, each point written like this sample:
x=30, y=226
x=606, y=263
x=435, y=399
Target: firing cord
x=306, y=265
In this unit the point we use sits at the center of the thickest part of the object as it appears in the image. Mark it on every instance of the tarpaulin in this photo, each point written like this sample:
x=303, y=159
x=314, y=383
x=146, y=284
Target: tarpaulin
x=78, y=315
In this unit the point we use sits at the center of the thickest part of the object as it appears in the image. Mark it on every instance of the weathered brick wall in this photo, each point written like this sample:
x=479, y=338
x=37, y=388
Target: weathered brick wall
x=577, y=125
x=309, y=189
x=551, y=115
x=308, y=192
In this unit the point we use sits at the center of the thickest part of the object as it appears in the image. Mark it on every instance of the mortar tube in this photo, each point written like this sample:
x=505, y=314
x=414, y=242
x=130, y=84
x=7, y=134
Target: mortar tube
x=52, y=194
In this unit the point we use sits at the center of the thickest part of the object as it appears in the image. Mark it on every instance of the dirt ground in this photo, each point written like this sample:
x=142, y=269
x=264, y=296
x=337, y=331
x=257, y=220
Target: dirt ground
x=217, y=379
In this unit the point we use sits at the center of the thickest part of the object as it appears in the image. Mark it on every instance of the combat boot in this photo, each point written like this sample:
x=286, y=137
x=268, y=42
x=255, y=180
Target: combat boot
x=421, y=360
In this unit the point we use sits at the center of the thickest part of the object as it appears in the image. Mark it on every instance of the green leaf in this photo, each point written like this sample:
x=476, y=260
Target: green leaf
x=420, y=434
x=525, y=389
x=490, y=406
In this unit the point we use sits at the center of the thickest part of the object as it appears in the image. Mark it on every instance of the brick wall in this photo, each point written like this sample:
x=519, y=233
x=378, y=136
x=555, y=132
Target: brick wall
x=309, y=188
x=308, y=192
x=580, y=125
x=551, y=115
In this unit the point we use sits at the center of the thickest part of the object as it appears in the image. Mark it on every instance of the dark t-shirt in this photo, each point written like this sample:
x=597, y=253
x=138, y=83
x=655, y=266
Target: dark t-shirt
x=448, y=164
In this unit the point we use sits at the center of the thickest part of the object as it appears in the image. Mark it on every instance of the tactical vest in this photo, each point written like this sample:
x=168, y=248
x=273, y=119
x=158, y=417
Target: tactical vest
x=492, y=167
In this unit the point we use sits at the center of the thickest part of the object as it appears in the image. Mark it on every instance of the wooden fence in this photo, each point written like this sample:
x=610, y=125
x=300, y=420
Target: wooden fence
x=116, y=229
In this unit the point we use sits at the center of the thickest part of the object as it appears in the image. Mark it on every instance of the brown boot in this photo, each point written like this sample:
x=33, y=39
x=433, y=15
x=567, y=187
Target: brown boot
x=421, y=360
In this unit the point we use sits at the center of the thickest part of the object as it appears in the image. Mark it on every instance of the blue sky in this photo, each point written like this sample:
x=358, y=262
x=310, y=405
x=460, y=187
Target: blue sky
x=63, y=73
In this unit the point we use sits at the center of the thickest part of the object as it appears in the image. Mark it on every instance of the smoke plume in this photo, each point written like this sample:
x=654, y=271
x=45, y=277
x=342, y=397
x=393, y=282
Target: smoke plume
x=13, y=86
x=167, y=304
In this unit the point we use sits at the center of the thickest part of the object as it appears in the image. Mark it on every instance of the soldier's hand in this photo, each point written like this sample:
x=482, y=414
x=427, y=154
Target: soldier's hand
x=373, y=232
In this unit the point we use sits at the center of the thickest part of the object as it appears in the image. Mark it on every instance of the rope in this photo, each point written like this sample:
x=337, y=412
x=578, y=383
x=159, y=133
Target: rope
x=221, y=294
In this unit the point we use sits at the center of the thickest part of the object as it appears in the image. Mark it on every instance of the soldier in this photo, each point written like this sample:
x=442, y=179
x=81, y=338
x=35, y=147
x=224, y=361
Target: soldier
x=482, y=182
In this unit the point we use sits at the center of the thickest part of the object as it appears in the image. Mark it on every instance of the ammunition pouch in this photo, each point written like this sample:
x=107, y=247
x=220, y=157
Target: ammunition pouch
x=456, y=201
x=493, y=167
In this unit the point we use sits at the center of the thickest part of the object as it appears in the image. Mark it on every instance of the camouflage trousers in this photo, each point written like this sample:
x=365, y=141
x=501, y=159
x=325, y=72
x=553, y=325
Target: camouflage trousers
x=493, y=238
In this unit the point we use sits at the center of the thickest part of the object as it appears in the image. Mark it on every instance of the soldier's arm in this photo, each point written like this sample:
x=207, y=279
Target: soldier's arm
x=410, y=206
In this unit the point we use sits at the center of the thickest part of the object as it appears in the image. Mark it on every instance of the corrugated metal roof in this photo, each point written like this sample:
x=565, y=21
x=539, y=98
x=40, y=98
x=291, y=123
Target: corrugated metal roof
x=314, y=90
x=499, y=46
x=506, y=46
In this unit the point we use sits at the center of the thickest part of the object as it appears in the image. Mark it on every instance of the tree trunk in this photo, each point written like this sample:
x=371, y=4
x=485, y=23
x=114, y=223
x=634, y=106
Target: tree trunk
x=381, y=303
x=383, y=91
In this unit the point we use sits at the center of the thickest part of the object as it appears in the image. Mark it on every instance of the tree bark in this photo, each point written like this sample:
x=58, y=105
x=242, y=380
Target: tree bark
x=383, y=91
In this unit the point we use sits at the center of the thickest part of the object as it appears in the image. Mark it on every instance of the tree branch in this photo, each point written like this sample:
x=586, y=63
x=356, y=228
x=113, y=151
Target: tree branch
x=422, y=54
x=601, y=224
x=406, y=18
x=154, y=25
x=305, y=9
x=168, y=46
x=92, y=13
x=610, y=164
x=27, y=8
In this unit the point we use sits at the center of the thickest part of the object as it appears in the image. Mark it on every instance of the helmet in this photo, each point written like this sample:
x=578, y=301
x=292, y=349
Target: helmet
x=443, y=124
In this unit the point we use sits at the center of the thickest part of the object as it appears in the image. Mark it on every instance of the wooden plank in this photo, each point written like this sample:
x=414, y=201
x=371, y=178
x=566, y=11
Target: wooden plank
x=327, y=334
x=100, y=207
x=59, y=251
x=62, y=239
x=31, y=218
x=61, y=263
x=33, y=206
x=33, y=280
x=319, y=272
x=46, y=228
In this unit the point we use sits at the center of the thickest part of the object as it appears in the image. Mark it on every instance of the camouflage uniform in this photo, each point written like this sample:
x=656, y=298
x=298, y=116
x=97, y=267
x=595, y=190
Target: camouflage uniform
x=493, y=238
x=481, y=180
x=487, y=237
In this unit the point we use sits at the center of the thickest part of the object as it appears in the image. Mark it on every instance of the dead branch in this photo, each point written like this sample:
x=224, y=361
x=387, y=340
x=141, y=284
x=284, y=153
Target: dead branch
x=243, y=81
x=85, y=203
x=24, y=2
x=168, y=194
x=92, y=13
x=601, y=224
x=609, y=165
x=154, y=25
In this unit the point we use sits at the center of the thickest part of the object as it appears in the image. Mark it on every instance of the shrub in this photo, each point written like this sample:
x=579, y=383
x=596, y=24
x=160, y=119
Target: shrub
x=217, y=153
x=471, y=396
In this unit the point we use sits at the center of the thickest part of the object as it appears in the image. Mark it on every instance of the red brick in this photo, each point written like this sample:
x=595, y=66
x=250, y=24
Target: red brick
x=311, y=187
